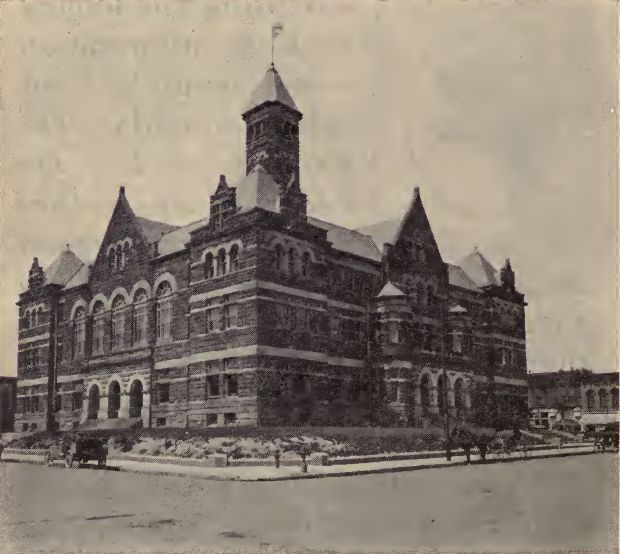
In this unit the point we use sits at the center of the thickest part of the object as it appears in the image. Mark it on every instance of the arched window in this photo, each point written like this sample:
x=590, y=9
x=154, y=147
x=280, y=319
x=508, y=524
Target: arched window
x=164, y=310
x=305, y=264
x=421, y=256
x=602, y=396
x=209, y=269
x=234, y=257
x=457, y=342
x=425, y=394
x=79, y=331
x=136, y=399
x=118, y=322
x=280, y=259
x=114, y=400
x=459, y=397
x=119, y=257
x=93, y=402
x=614, y=399
x=293, y=262
x=98, y=327
x=221, y=262
x=27, y=320
x=590, y=401
x=33, y=318
x=40, y=316
x=139, y=317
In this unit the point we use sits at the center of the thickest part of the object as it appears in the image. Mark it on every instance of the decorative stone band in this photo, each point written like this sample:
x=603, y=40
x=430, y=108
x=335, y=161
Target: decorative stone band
x=503, y=381
x=249, y=285
x=33, y=339
x=256, y=350
x=31, y=382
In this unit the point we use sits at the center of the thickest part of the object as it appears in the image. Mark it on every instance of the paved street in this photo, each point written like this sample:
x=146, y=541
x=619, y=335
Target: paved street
x=562, y=503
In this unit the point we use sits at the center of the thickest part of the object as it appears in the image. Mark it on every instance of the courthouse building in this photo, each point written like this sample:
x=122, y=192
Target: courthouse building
x=262, y=314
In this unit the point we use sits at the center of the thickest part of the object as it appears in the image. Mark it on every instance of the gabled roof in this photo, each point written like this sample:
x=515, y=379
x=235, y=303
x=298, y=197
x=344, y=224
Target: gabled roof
x=271, y=89
x=458, y=309
x=63, y=268
x=478, y=268
x=258, y=190
x=153, y=230
x=347, y=240
x=390, y=290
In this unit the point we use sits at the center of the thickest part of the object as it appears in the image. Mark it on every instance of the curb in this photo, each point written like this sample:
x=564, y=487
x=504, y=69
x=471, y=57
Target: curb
x=350, y=473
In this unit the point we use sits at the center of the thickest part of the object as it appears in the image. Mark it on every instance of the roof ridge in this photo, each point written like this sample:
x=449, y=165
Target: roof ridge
x=339, y=226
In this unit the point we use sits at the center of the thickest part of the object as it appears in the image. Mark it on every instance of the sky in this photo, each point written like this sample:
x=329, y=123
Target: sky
x=502, y=112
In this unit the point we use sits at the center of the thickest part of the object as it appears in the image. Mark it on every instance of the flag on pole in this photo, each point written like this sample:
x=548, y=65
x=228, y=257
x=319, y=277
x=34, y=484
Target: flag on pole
x=276, y=30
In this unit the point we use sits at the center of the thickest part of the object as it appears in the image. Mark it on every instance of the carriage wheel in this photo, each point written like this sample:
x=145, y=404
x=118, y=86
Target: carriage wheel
x=69, y=460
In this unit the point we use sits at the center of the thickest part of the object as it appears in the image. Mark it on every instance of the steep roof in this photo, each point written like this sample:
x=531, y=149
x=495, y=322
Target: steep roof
x=80, y=278
x=456, y=276
x=271, y=89
x=63, y=268
x=479, y=269
x=258, y=190
x=153, y=230
x=390, y=290
x=347, y=240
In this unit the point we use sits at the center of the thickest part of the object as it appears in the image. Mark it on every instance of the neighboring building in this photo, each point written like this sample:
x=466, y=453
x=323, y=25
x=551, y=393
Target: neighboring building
x=261, y=314
x=583, y=396
x=8, y=403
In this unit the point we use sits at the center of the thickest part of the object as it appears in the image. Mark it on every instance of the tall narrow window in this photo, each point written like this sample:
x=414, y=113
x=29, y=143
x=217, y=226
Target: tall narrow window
x=590, y=400
x=230, y=315
x=112, y=259
x=98, y=328
x=213, y=385
x=79, y=331
x=119, y=257
x=280, y=261
x=614, y=399
x=420, y=294
x=294, y=262
x=393, y=331
x=126, y=251
x=118, y=322
x=139, y=317
x=305, y=264
x=430, y=296
x=221, y=262
x=210, y=315
x=209, y=269
x=234, y=257
x=164, y=310
x=231, y=384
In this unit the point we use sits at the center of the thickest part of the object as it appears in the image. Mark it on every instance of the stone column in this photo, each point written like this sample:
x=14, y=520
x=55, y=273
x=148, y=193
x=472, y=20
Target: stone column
x=417, y=394
x=434, y=407
x=84, y=413
x=123, y=411
x=103, y=408
x=146, y=403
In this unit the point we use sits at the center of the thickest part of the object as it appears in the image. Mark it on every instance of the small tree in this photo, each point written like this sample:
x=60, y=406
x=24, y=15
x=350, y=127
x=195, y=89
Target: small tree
x=231, y=449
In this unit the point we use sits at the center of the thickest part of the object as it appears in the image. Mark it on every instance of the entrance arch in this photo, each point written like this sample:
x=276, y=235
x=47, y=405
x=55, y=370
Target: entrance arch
x=94, y=398
x=136, y=399
x=114, y=400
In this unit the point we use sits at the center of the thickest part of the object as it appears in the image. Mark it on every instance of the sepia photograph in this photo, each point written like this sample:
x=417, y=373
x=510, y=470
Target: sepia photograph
x=309, y=276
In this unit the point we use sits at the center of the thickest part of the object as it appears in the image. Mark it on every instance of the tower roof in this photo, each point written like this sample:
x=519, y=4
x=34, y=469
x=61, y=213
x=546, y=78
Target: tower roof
x=63, y=268
x=479, y=269
x=271, y=89
x=258, y=190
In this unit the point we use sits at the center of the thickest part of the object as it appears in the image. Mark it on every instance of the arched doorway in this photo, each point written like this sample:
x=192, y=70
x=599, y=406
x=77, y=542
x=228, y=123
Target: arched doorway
x=114, y=400
x=136, y=399
x=425, y=394
x=93, y=402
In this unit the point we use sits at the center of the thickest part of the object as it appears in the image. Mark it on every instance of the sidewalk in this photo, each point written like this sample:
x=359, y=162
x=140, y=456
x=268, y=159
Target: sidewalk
x=262, y=473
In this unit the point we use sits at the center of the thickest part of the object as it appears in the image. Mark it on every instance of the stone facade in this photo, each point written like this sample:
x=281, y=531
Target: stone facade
x=261, y=314
x=583, y=396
